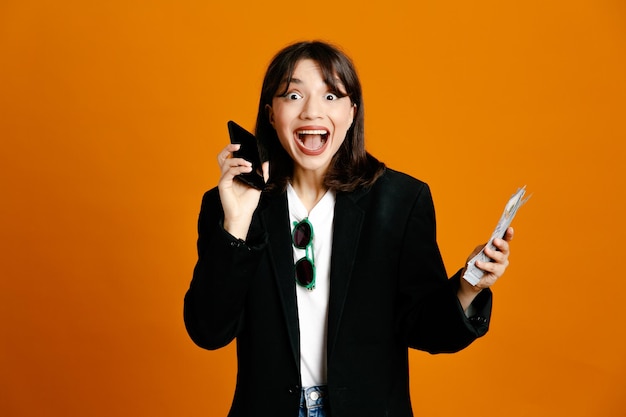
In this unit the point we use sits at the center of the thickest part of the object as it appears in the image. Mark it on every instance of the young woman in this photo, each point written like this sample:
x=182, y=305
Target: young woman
x=329, y=275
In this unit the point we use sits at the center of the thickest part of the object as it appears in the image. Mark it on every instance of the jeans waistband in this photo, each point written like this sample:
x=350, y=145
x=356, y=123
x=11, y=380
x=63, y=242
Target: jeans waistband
x=313, y=397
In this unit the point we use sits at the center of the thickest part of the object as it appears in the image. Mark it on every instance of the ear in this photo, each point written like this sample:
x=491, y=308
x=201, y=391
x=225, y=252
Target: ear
x=352, y=113
x=270, y=114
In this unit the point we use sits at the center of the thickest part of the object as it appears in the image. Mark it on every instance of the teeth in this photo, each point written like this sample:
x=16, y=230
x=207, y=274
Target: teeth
x=312, y=132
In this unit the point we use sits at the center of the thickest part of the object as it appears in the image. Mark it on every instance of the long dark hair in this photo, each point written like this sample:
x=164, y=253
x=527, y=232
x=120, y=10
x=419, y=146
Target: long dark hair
x=352, y=166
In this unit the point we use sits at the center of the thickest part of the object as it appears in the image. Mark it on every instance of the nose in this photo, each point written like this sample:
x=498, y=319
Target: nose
x=312, y=109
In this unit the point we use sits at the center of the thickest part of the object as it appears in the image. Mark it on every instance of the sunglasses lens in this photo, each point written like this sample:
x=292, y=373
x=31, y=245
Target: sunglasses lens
x=302, y=235
x=304, y=272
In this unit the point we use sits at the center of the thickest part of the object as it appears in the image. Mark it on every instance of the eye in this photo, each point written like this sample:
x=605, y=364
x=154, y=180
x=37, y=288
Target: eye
x=331, y=97
x=293, y=96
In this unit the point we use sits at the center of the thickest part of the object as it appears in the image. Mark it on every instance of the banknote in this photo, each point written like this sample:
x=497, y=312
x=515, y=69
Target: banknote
x=474, y=274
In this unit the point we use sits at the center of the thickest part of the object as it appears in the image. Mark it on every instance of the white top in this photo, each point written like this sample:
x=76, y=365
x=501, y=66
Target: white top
x=313, y=305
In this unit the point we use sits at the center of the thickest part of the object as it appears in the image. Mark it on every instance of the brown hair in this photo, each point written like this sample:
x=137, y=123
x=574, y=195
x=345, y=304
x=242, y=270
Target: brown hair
x=352, y=166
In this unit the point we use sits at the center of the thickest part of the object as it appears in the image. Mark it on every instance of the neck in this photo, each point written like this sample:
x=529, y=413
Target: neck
x=309, y=187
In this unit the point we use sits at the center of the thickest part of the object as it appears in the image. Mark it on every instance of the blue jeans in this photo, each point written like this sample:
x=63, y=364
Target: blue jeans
x=313, y=401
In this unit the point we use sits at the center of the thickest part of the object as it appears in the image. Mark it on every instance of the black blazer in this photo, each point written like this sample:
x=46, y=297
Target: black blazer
x=389, y=291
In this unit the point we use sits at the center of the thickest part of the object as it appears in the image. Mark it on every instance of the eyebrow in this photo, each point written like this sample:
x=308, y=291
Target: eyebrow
x=338, y=86
x=299, y=81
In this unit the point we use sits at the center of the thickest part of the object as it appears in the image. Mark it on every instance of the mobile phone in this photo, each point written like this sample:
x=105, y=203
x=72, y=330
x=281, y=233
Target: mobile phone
x=248, y=151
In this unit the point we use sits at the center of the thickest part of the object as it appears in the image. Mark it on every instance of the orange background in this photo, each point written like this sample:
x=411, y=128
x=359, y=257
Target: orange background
x=112, y=113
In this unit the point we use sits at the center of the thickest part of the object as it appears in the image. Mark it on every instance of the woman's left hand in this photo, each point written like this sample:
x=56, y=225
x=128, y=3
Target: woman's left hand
x=493, y=270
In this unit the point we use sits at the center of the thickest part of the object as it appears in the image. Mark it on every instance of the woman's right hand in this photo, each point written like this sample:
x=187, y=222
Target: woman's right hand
x=238, y=199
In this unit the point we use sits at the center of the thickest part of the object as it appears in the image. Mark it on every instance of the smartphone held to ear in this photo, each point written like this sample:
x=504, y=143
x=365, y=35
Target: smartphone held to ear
x=248, y=151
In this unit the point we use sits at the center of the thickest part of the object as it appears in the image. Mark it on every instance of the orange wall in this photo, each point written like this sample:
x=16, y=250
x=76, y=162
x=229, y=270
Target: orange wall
x=112, y=113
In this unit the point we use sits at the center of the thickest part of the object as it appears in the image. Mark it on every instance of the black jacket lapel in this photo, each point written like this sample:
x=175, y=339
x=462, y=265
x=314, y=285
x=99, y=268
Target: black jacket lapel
x=275, y=217
x=346, y=231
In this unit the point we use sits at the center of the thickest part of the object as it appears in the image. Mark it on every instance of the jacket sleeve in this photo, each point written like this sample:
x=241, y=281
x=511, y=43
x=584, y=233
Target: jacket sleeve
x=214, y=302
x=431, y=317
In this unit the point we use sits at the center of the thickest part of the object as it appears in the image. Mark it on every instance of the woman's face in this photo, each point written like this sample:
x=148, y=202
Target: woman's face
x=311, y=121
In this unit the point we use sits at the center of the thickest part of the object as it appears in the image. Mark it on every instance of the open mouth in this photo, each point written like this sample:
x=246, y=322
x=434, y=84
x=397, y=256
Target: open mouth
x=312, y=139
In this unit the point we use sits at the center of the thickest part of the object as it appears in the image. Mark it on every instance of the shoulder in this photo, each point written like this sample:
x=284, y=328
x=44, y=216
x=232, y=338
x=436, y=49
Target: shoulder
x=398, y=185
x=395, y=194
x=392, y=177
